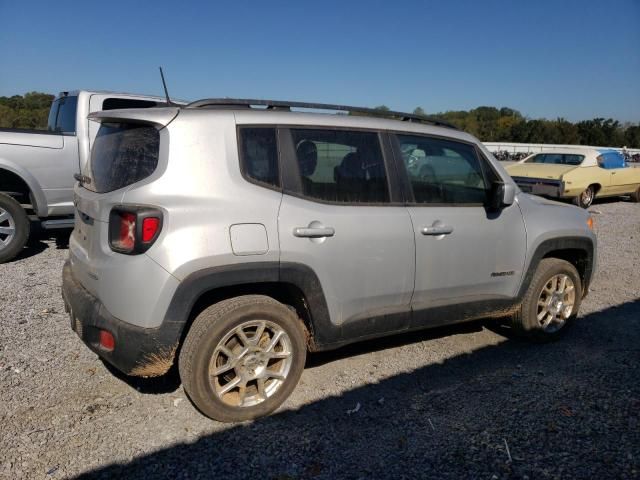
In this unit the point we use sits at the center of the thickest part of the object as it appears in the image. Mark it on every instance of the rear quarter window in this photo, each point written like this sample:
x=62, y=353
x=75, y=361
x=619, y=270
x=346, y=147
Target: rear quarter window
x=123, y=154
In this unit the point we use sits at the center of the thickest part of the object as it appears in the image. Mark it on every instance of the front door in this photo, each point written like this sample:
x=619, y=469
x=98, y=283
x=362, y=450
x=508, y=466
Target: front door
x=464, y=254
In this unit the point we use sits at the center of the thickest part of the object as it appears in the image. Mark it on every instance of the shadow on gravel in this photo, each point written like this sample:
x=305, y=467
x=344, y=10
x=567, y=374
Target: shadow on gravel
x=36, y=243
x=167, y=383
x=515, y=410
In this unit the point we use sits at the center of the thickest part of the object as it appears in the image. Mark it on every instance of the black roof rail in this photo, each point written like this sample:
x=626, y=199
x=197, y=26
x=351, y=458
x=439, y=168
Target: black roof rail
x=287, y=106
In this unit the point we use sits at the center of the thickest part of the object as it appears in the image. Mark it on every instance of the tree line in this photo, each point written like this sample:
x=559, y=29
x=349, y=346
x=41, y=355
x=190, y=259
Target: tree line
x=30, y=110
x=489, y=124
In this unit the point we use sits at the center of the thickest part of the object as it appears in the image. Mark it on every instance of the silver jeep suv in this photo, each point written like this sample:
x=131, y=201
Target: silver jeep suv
x=235, y=236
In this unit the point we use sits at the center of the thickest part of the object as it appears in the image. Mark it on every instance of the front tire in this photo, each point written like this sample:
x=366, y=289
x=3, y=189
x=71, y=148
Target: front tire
x=14, y=228
x=585, y=199
x=635, y=196
x=551, y=302
x=242, y=358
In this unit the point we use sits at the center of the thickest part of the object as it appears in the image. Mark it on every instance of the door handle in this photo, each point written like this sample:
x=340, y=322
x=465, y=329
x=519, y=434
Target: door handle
x=313, y=232
x=437, y=230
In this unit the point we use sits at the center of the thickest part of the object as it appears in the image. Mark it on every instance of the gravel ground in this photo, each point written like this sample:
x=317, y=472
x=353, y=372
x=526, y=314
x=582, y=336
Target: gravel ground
x=460, y=402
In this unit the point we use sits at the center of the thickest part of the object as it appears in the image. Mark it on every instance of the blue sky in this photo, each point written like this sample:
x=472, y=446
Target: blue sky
x=568, y=58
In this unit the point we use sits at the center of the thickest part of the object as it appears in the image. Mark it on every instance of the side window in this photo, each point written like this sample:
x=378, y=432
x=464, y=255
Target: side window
x=259, y=154
x=341, y=166
x=443, y=171
x=611, y=160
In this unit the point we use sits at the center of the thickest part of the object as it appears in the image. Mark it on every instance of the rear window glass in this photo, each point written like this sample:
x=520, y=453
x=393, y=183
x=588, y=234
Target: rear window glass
x=62, y=116
x=123, y=154
x=557, y=159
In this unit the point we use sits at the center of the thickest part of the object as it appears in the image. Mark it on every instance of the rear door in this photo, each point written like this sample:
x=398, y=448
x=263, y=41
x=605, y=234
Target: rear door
x=464, y=254
x=342, y=216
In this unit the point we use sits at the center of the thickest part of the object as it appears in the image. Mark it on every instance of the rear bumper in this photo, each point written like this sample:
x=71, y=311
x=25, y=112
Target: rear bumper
x=142, y=352
x=541, y=186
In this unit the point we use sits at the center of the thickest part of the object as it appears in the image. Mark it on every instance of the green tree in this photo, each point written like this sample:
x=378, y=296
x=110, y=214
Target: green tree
x=28, y=111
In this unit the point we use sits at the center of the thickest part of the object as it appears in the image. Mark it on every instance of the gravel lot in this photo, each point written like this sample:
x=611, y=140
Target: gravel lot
x=461, y=402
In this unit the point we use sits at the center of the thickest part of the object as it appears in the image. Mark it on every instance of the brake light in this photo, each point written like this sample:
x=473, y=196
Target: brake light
x=133, y=229
x=150, y=227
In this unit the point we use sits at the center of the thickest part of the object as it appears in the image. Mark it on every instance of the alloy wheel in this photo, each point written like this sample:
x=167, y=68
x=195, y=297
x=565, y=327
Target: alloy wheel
x=250, y=363
x=7, y=228
x=555, y=303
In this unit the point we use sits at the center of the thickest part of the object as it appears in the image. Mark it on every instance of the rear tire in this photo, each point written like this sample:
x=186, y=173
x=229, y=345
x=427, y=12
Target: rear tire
x=635, y=196
x=14, y=228
x=585, y=199
x=551, y=302
x=242, y=358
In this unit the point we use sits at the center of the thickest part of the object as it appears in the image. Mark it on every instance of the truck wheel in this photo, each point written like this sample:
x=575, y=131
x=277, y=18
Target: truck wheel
x=585, y=199
x=635, y=196
x=242, y=358
x=551, y=302
x=14, y=228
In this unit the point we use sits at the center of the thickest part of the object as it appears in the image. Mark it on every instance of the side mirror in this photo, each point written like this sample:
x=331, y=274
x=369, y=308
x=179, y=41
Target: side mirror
x=500, y=195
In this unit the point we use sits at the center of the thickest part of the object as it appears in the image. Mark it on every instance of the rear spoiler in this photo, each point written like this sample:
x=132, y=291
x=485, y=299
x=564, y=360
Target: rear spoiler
x=162, y=116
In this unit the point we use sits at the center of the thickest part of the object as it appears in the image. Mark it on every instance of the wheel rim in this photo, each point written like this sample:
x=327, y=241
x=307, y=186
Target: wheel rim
x=555, y=303
x=250, y=363
x=587, y=196
x=7, y=228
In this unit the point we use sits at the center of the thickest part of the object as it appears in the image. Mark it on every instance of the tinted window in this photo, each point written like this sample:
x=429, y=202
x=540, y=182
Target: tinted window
x=443, y=171
x=341, y=166
x=62, y=116
x=117, y=103
x=53, y=114
x=259, y=154
x=557, y=159
x=123, y=154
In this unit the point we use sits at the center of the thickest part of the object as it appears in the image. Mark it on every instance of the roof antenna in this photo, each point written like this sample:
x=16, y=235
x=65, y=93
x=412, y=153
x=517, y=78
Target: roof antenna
x=166, y=92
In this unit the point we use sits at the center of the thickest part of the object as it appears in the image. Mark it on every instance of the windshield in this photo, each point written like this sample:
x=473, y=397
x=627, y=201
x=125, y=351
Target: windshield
x=557, y=158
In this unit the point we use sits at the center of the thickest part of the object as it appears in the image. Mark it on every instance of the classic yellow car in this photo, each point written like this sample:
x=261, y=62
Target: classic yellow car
x=579, y=175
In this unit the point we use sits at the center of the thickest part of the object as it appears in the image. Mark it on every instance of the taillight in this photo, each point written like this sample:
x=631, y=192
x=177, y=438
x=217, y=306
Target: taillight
x=150, y=227
x=127, y=237
x=133, y=229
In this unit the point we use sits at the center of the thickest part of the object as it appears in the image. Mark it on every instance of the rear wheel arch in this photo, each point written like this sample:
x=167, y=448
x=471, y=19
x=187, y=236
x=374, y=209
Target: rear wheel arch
x=301, y=292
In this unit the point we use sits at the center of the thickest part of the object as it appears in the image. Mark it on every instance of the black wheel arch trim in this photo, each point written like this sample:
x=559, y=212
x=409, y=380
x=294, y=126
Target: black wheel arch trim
x=194, y=286
x=546, y=247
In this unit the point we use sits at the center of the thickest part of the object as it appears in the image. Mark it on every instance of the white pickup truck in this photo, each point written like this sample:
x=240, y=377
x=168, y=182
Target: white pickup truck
x=37, y=167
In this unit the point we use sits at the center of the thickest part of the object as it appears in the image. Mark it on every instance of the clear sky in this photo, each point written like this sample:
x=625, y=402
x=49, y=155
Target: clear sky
x=577, y=59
